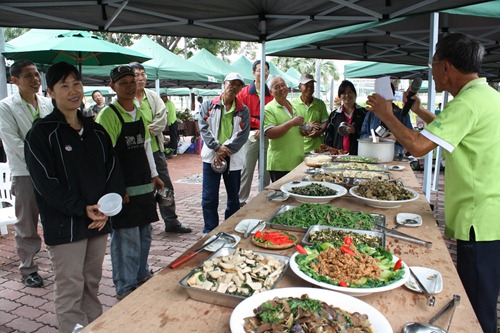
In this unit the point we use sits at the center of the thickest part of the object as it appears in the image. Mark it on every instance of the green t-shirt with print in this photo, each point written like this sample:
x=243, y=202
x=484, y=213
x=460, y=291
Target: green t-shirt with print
x=468, y=126
x=315, y=112
x=286, y=152
x=111, y=123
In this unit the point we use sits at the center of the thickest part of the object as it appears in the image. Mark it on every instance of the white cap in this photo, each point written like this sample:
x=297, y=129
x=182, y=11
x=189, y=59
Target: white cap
x=234, y=76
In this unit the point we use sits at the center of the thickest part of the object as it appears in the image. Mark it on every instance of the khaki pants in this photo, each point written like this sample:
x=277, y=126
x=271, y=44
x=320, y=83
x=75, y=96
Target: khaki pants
x=28, y=242
x=77, y=273
x=251, y=152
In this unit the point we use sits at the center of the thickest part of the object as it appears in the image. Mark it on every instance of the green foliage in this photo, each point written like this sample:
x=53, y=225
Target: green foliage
x=328, y=69
x=118, y=38
x=11, y=33
x=220, y=48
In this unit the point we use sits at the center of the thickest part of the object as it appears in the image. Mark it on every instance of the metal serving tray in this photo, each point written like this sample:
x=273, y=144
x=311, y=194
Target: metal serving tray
x=315, y=228
x=379, y=219
x=217, y=298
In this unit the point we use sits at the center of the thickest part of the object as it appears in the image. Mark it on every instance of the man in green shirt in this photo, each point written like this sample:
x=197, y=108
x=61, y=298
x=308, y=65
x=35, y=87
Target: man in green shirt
x=314, y=112
x=467, y=129
x=155, y=114
x=171, y=122
x=281, y=126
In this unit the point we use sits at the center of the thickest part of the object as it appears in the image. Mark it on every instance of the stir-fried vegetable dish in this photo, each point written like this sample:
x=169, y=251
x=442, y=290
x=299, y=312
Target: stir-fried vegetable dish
x=313, y=190
x=353, y=266
x=308, y=214
x=383, y=190
x=305, y=315
x=337, y=237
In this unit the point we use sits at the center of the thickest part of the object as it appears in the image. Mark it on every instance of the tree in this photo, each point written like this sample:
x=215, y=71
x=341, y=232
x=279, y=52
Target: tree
x=306, y=65
x=11, y=33
x=222, y=48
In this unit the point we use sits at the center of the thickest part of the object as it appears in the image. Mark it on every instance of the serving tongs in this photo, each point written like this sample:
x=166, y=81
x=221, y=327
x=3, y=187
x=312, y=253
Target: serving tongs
x=191, y=254
x=431, y=299
x=399, y=235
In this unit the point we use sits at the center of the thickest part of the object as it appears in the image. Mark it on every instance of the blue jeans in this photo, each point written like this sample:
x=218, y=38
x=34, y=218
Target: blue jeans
x=210, y=195
x=129, y=249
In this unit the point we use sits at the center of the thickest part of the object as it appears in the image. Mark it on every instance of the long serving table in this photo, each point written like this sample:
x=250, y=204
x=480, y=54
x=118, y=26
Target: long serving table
x=160, y=305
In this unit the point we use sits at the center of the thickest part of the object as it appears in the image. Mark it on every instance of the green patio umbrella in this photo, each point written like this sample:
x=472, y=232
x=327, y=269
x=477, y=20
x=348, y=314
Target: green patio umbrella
x=77, y=48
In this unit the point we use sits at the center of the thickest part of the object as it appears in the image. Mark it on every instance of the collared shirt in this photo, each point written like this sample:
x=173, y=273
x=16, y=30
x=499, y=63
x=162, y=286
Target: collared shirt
x=317, y=112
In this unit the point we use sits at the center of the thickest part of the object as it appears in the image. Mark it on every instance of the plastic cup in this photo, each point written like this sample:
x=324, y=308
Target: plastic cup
x=110, y=204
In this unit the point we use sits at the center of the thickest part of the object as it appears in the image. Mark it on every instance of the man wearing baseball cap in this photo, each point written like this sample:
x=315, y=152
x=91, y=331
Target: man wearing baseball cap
x=131, y=237
x=224, y=127
x=314, y=112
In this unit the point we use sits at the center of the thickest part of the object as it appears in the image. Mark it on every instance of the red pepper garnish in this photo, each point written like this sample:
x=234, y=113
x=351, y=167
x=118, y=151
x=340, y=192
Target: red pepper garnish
x=276, y=238
x=398, y=264
x=347, y=240
x=342, y=284
x=347, y=250
x=301, y=249
x=258, y=234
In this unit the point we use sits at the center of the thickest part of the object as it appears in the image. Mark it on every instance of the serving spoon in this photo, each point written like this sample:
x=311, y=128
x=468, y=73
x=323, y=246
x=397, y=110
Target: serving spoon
x=429, y=327
x=405, y=222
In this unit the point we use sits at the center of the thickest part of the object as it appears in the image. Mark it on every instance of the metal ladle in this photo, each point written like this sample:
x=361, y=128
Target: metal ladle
x=429, y=327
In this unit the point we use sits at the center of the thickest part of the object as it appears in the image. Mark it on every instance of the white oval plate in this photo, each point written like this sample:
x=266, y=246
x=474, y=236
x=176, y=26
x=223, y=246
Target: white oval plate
x=218, y=243
x=401, y=217
x=383, y=203
x=356, y=292
x=305, y=198
x=379, y=323
x=397, y=167
x=430, y=278
x=248, y=224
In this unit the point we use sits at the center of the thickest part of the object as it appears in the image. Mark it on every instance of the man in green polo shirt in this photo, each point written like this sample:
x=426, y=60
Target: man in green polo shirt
x=467, y=129
x=281, y=126
x=314, y=112
x=171, y=122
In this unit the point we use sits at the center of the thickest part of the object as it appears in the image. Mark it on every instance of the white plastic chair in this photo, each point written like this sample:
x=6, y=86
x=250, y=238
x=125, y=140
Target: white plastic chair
x=7, y=212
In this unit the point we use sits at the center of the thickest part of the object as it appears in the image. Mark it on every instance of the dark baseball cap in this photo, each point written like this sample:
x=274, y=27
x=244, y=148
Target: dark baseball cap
x=120, y=71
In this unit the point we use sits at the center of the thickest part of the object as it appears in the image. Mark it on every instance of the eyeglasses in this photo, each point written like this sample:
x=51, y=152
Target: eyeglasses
x=433, y=62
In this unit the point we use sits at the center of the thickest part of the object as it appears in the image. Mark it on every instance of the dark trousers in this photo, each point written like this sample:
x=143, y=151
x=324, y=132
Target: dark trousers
x=167, y=213
x=276, y=175
x=174, y=136
x=478, y=265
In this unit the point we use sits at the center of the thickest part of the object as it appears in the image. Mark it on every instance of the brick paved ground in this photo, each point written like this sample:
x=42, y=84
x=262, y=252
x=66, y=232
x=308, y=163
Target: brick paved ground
x=31, y=310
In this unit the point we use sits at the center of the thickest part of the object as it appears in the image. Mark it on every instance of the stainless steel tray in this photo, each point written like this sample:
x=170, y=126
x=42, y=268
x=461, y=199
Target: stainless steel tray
x=379, y=219
x=217, y=298
x=315, y=228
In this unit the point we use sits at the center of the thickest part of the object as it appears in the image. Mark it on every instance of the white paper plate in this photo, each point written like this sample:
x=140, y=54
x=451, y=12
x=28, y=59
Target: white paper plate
x=382, y=203
x=397, y=167
x=401, y=217
x=379, y=323
x=341, y=191
x=430, y=278
x=346, y=290
x=218, y=243
x=249, y=224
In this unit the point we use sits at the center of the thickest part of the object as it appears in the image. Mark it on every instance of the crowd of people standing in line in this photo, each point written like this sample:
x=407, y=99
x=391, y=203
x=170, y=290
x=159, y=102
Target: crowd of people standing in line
x=51, y=143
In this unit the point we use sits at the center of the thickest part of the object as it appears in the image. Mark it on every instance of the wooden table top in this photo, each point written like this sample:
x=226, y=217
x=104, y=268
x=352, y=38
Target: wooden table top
x=161, y=305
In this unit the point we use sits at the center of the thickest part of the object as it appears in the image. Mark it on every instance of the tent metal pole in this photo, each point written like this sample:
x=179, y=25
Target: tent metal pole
x=3, y=72
x=433, y=36
x=439, y=149
x=262, y=157
x=317, y=77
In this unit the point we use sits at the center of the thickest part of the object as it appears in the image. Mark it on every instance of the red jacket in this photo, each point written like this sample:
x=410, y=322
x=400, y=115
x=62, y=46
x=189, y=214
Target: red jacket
x=248, y=95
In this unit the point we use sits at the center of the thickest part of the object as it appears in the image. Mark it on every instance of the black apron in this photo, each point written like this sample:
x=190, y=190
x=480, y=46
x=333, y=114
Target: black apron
x=141, y=208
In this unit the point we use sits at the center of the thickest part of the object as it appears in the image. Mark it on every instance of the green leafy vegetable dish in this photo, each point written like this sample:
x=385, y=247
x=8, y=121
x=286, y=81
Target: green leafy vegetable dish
x=350, y=265
x=309, y=214
x=313, y=190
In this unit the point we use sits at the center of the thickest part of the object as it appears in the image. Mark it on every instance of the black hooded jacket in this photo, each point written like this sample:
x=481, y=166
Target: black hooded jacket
x=69, y=172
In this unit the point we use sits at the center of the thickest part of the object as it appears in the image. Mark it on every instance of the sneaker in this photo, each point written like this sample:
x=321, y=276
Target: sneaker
x=124, y=294
x=34, y=280
x=140, y=283
x=178, y=229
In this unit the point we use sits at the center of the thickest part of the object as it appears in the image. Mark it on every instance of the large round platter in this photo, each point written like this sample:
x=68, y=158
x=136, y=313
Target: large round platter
x=383, y=203
x=310, y=199
x=346, y=290
x=245, y=309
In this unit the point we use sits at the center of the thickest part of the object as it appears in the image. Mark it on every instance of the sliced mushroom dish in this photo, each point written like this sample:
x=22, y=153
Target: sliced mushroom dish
x=243, y=273
x=306, y=315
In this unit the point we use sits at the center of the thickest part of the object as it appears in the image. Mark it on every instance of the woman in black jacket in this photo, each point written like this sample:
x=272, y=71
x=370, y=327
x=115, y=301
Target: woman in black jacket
x=348, y=112
x=60, y=151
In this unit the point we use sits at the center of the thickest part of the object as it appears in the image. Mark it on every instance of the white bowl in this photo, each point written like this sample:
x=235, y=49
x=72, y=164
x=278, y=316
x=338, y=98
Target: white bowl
x=110, y=204
x=356, y=292
x=310, y=199
x=245, y=309
x=382, y=203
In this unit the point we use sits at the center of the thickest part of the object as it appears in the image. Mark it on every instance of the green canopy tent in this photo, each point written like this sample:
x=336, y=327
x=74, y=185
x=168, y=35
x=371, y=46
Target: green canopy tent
x=243, y=66
x=187, y=92
x=167, y=67
x=206, y=59
x=369, y=69
x=293, y=73
x=77, y=48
